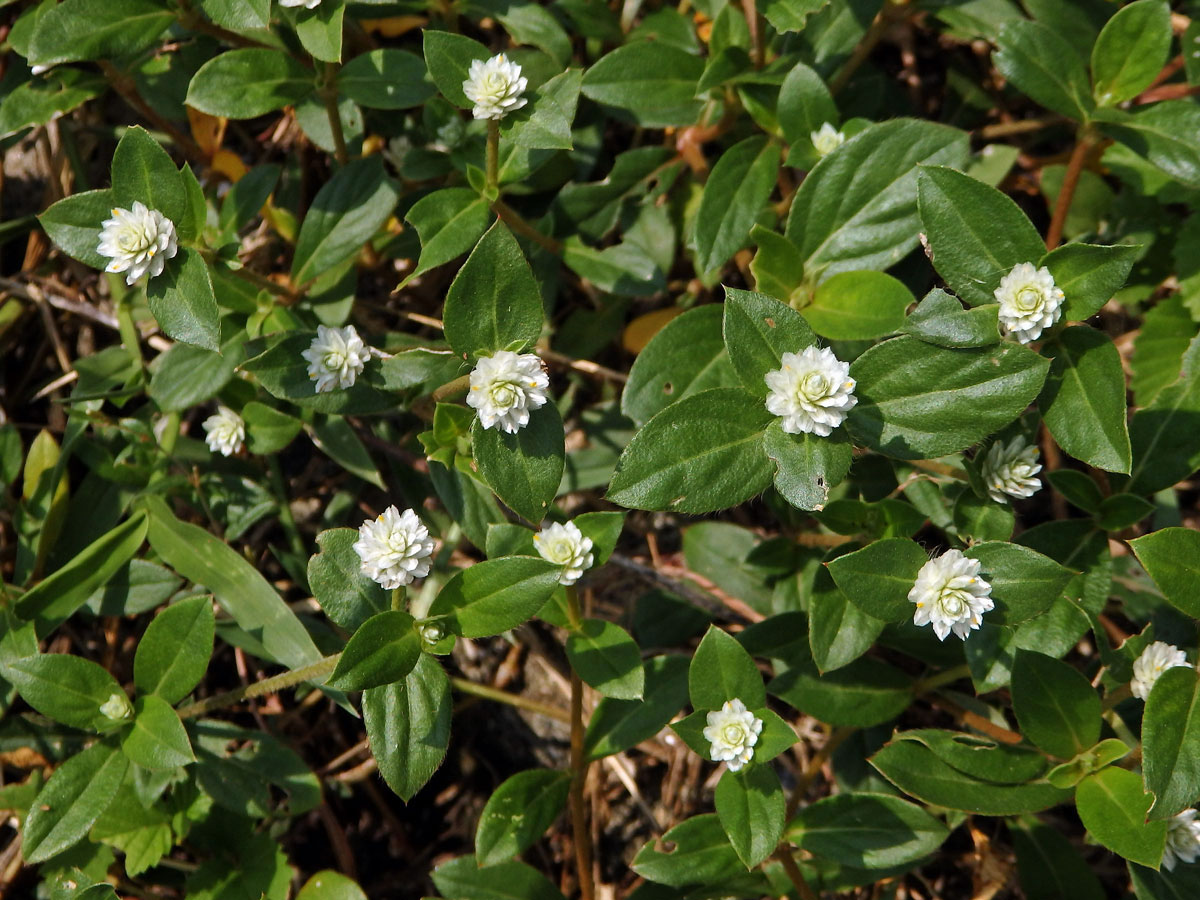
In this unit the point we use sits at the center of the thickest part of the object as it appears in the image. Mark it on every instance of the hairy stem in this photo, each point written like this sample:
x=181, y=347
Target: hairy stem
x=516, y=700
x=128, y=329
x=452, y=388
x=313, y=672
x=493, y=156
x=514, y=221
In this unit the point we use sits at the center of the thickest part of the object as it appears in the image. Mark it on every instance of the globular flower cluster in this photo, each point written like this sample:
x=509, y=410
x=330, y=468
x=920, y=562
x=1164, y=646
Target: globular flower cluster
x=565, y=545
x=395, y=548
x=1183, y=839
x=812, y=393
x=137, y=241
x=505, y=387
x=1010, y=470
x=495, y=87
x=950, y=595
x=732, y=731
x=336, y=358
x=224, y=431
x=1030, y=302
x=1152, y=662
x=826, y=139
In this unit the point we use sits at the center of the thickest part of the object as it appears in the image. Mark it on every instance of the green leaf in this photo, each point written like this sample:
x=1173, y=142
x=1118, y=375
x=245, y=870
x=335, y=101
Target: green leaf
x=518, y=813
x=242, y=84
x=607, y=658
x=1163, y=133
x=236, y=584
x=1171, y=556
x=805, y=104
x=1180, y=884
x=41, y=100
x=336, y=579
x=617, y=725
x=385, y=79
x=807, y=466
x=684, y=358
x=1167, y=331
x=1171, y=742
x=383, y=650
x=449, y=222
x=917, y=401
x=858, y=208
x=449, y=57
x=494, y=302
x=142, y=170
x=980, y=757
x=157, y=739
x=625, y=269
x=722, y=670
x=751, y=807
x=864, y=693
x=96, y=29
x=276, y=362
x=982, y=519
x=142, y=833
x=462, y=879
x=1049, y=865
x=267, y=429
x=734, y=195
x=74, y=798
x=1024, y=582
x=758, y=330
x=330, y=885
x=1130, y=52
x=337, y=439
x=1089, y=275
x=494, y=596
x=320, y=30
x=56, y=598
x=940, y=319
x=652, y=83
x=838, y=631
x=74, y=225
x=1113, y=809
x=976, y=234
x=1164, y=435
x=173, y=654
x=345, y=214
x=915, y=769
x=68, y=689
x=856, y=306
x=698, y=455
x=1083, y=402
x=408, y=726
x=544, y=123
x=1056, y=706
x=524, y=469
x=867, y=831
x=878, y=577
x=1044, y=67
x=700, y=854
x=183, y=303
x=777, y=266
x=187, y=375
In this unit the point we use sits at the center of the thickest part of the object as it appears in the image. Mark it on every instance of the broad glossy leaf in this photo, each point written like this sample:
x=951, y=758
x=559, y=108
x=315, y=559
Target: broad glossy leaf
x=75, y=796
x=855, y=306
x=734, y=195
x=1182, y=883
x=1171, y=742
x=858, y=208
x=544, y=123
x=449, y=57
x=518, y=813
x=617, y=725
x=1024, y=582
x=698, y=455
x=74, y=223
x=267, y=429
x=408, y=726
x=242, y=84
x=96, y=29
x=1131, y=50
x=1113, y=809
x=722, y=670
x=838, y=631
x=68, y=689
x=338, y=583
x=449, y=222
x=758, y=330
x=1050, y=866
x=276, y=362
x=751, y=807
x=1056, y=706
x=866, y=692
x=652, y=83
x=385, y=79
x=940, y=319
x=524, y=469
x=142, y=170
x=173, y=654
x=320, y=30
x=183, y=302
x=156, y=739
x=383, y=650
x=917, y=401
x=808, y=466
x=1163, y=133
x=330, y=885
x=982, y=757
x=1165, y=435
x=1171, y=556
x=805, y=104
x=1089, y=275
x=492, y=597
x=868, y=831
x=1043, y=66
x=878, y=577
x=463, y=879
x=1167, y=331
x=700, y=854
x=607, y=658
x=1083, y=402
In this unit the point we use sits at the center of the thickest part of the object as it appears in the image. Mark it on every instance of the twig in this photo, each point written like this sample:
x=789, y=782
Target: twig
x=1070, y=181
x=127, y=88
x=490, y=693
x=518, y=224
x=329, y=96
x=784, y=855
x=804, y=782
x=869, y=40
x=583, y=365
x=1021, y=126
x=312, y=672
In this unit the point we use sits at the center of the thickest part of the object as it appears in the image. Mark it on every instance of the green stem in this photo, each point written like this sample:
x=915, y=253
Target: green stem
x=518, y=224
x=329, y=96
x=130, y=336
x=499, y=696
x=166, y=443
x=925, y=685
x=459, y=385
x=312, y=672
x=493, y=156
x=577, y=801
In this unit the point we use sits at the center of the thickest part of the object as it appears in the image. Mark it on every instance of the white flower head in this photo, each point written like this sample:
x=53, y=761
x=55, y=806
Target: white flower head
x=137, y=241
x=812, y=392
x=1030, y=302
x=950, y=595
x=336, y=357
x=733, y=731
x=116, y=707
x=1154, y=660
x=826, y=139
x=1183, y=839
x=308, y=4
x=224, y=431
x=1011, y=469
x=395, y=548
x=505, y=387
x=495, y=87
x=565, y=545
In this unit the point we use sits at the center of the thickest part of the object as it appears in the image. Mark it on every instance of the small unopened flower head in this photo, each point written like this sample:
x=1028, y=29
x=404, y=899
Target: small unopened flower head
x=1030, y=302
x=565, y=545
x=395, y=548
x=495, y=87
x=116, y=707
x=308, y=4
x=826, y=139
x=1011, y=469
x=1183, y=839
x=432, y=632
x=224, y=431
x=733, y=731
x=505, y=387
x=812, y=392
x=137, y=241
x=950, y=595
x=1154, y=660
x=336, y=357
